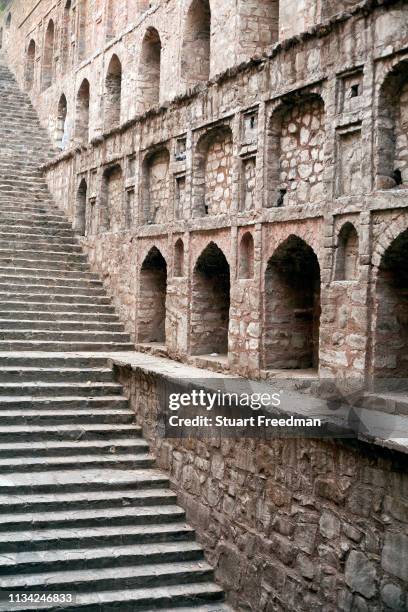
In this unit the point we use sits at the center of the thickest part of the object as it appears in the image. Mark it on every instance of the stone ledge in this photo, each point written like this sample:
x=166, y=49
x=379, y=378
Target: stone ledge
x=302, y=405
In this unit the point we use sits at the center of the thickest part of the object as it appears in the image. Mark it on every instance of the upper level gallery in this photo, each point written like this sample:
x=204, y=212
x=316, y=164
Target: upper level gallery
x=157, y=49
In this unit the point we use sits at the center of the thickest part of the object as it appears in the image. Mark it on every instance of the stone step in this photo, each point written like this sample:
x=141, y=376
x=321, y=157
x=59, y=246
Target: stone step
x=16, y=271
x=57, y=539
x=53, y=360
x=50, y=257
x=84, y=431
x=19, y=294
x=86, y=499
x=43, y=230
x=60, y=325
x=31, y=280
x=61, y=316
x=196, y=596
x=40, y=388
x=24, y=374
x=76, y=447
x=95, y=517
x=74, y=403
x=159, y=574
x=54, y=307
x=51, y=246
x=28, y=416
x=41, y=335
x=75, y=462
x=77, y=481
x=50, y=287
x=45, y=266
x=88, y=558
x=391, y=402
x=37, y=238
x=107, y=347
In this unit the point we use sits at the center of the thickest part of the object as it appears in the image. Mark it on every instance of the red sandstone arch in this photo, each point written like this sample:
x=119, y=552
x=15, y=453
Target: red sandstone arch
x=151, y=311
x=210, y=303
x=30, y=64
x=196, y=46
x=61, y=135
x=179, y=258
x=291, y=307
x=113, y=93
x=82, y=112
x=246, y=256
x=149, y=70
x=391, y=311
x=347, y=253
x=48, y=56
x=392, y=125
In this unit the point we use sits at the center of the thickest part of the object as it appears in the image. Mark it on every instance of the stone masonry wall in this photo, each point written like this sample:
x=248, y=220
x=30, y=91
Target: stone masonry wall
x=291, y=524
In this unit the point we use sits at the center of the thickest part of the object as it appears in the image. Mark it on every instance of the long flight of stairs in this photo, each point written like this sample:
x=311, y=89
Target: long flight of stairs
x=82, y=508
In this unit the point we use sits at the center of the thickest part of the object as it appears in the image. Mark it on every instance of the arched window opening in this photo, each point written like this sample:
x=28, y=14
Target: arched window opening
x=259, y=25
x=152, y=299
x=30, y=65
x=80, y=209
x=149, y=70
x=48, y=56
x=66, y=35
x=111, y=206
x=392, y=145
x=156, y=186
x=61, y=133
x=82, y=113
x=113, y=93
x=210, y=303
x=212, y=178
x=296, y=156
x=179, y=258
x=83, y=29
x=196, y=48
x=347, y=254
x=246, y=256
x=8, y=21
x=292, y=307
x=1, y=38
x=391, y=336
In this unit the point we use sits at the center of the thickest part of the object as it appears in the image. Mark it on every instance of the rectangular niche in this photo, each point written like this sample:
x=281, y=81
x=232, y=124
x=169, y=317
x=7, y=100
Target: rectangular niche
x=349, y=173
x=179, y=196
x=248, y=183
x=351, y=92
x=181, y=149
x=129, y=207
x=131, y=166
x=250, y=128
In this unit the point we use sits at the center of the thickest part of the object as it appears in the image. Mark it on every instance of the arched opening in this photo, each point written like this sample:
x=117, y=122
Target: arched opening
x=212, y=177
x=48, y=56
x=1, y=38
x=196, y=49
x=82, y=113
x=210, y=303
x=30, y=65
x=296, y=152
x=66, y=35
x=111, y=204
x=8, y=21
x=259, y=25
x=149, y=70
x=391, y=337
x=113, y=93
x=61, y=132
x=347, y=253
x=179, y=258
x=292, y=307
x=80, y=209
x=113, y=15
x=156, y=186
x=83, y=29
x=152, y=299
x=246, y=256
x=392, y=133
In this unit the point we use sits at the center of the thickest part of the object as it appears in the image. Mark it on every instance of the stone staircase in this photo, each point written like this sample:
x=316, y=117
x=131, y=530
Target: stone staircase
x=82, y=508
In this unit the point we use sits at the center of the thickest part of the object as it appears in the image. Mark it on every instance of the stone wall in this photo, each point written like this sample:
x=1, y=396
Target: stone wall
x=292, y=524
x=293, y=144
